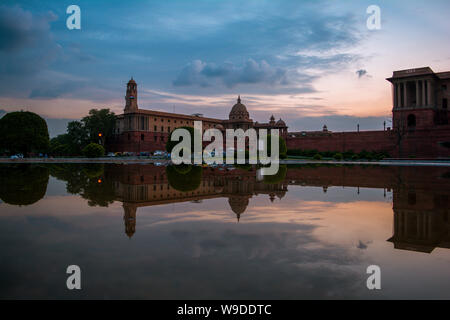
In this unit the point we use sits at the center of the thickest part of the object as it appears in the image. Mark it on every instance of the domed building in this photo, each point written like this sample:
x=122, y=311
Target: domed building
x=239, y=117
x=139, y=130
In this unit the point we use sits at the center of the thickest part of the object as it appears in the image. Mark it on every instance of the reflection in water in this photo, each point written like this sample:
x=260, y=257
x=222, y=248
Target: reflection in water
x=420, y=202
x=23, y=184
x=276, y=240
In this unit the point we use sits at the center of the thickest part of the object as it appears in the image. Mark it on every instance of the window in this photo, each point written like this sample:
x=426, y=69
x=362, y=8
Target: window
x=168, y=129
x=129, y=137
x=156, y=129
x=444, y=103
x=168, y=120
x=142, y=137
x=444, y=87
x=162, y=128
x=154, y=138
x=411, y=121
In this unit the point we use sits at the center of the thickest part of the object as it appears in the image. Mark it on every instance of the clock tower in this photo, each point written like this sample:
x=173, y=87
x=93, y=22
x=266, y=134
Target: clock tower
x=131, y=97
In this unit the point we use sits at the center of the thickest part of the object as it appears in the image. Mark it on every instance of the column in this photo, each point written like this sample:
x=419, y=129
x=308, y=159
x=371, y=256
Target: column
x=424, y=102
x=430, y=93
x=394, y=95
x=398, y=95
x=417, y=94
x=405, y=94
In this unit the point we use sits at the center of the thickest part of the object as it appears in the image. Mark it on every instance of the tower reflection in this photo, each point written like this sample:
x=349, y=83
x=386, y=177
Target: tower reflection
x=420, y=195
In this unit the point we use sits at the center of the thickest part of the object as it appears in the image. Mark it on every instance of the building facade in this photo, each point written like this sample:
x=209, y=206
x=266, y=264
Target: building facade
x=420, y=122
x=139, y=130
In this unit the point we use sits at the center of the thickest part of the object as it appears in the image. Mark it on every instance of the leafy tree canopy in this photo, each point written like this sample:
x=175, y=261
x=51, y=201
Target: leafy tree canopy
x=171, y=144
x=23, y=132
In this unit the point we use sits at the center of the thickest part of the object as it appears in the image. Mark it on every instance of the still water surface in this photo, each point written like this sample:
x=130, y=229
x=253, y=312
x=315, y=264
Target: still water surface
x=141, y=231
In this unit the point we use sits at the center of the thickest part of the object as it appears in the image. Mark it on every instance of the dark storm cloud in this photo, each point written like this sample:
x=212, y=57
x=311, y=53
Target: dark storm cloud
x=27, y=45
x=252, y=72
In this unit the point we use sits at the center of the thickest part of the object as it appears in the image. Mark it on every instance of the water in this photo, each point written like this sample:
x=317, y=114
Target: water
x=141, y=231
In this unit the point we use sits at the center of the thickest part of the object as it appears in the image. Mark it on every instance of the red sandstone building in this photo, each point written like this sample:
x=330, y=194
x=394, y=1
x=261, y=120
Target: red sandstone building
x=138, y=130
x=420, y=122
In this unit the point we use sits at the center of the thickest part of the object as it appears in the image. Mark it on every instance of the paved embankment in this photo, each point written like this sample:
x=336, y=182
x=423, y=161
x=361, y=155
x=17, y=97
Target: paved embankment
x=134, y=160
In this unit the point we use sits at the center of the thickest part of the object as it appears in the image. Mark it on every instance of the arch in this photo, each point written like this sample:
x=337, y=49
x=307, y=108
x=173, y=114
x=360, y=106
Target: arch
x=411, y=121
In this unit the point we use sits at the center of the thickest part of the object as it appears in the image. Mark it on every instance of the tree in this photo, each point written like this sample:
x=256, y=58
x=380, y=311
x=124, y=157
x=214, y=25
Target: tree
x=93, y=150
x=99, y=121
x=77, y=136
x=171, y=144
x=282, y=149
x=23, y=132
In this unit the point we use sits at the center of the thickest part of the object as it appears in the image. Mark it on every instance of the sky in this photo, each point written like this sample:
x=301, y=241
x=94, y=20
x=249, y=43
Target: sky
x=309, y=62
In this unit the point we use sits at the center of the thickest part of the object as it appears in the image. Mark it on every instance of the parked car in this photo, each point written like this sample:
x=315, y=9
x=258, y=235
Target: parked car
x=111, y=154
x=17, y=156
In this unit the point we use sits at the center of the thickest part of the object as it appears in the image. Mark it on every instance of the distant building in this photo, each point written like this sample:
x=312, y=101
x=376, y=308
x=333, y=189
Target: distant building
x=140, y=130
x=420, y=122
x=420, y=98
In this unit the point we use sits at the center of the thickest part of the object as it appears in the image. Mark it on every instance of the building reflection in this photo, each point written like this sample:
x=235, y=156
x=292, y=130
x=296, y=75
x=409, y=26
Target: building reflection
x=141, y=186
x=420, y=197
x=421, y=220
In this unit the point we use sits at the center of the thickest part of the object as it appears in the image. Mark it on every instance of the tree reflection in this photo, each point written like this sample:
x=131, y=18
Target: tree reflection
x=87, y=180
x=278, y=177
x=23, y=184
x=184, y=177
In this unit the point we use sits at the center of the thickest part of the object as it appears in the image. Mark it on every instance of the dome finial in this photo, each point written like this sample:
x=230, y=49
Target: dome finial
x=239, y=99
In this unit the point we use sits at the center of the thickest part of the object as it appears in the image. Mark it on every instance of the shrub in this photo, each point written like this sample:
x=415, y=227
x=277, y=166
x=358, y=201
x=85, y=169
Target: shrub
x=93, y=150
x=338, y=156
x=317, y=157
x=355, y=157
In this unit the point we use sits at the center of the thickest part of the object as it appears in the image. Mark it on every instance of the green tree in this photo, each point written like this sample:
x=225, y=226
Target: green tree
x=23, y=132
x=93, y=150
x=99, y=121
x=338, y=156
x=171, y=144
x=282, y=146
x=77, y=136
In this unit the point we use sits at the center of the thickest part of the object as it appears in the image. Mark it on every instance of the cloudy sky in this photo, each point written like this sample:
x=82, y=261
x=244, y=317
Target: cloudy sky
x=308, y=62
